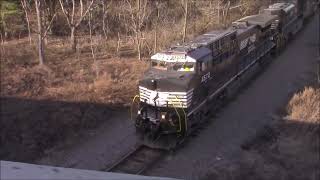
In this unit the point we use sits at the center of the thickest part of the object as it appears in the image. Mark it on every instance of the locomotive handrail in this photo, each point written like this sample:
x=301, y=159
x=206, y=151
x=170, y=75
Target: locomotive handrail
x=185, y=115
x=180, y=128
x=134, y=98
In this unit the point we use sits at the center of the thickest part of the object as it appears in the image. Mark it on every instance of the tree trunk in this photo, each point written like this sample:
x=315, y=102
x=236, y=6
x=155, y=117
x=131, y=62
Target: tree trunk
x=40, y=33
x=219, y=12
x=226, y=14
x=29, y=31
x=95, y=64
x=25, y=8
x=104, y=20
x=156, y=31
x=185, y=21
x=5, y=34
x=118, y=45
x=138, y=36
x=73, y=40
x=138, y=30
x=138, y=43
x=2, y=40
x=155, y=41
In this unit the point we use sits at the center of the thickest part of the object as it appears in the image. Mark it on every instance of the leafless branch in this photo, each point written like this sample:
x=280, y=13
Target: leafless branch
x=65, y=12
x=86, y=12
x=49, y=25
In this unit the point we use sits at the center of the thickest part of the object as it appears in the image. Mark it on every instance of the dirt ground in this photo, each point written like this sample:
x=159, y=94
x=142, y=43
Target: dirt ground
x=42, y=105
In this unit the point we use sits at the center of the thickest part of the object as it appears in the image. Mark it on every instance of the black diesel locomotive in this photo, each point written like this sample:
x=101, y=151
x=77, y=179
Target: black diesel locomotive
x=187, y=81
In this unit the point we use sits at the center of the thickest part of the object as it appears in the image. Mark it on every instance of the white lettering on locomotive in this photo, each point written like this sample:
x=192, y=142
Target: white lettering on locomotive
x=162, y=99
x=205, y=77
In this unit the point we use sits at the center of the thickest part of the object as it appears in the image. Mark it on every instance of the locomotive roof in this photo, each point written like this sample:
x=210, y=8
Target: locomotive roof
x=210, y=37
x=193, y=50
x=263, y=20
x=193, y=55
x=242, y=28
x=286, y=7
x=202, y=40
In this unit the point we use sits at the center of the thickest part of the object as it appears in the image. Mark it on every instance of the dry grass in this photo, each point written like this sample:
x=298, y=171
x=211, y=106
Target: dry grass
x=67, y=76
x=115, y=85
x=305, y=106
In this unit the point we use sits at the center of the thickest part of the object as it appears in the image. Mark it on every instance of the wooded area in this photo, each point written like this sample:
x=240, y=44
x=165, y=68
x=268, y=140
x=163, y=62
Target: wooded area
x=97, y=50
x=130, y=26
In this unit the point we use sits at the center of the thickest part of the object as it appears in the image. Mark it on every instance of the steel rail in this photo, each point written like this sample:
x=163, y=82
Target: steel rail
x=138, y=160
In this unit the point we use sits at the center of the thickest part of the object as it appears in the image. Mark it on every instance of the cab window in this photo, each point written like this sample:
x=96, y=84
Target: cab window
x=204, y=66
x=159, y=65
x=187, y=67
x=173, y=66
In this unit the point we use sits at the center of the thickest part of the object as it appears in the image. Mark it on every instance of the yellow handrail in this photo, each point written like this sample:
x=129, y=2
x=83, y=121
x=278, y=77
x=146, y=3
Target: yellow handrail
x=132, y=105
x=180, y=128
x=185, y=116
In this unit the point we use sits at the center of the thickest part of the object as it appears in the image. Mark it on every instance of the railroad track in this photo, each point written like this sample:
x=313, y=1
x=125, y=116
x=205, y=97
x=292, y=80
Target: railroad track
x=138, y=160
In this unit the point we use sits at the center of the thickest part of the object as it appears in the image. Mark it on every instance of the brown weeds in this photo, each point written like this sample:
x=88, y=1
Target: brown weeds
x=304, y=107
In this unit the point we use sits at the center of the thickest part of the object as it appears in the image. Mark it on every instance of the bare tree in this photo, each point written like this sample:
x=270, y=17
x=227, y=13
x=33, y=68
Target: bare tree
x=3, y=25
x=105, y=7
x=92, y=43
x=156, y=28
x=50, y=12
x=185, y=20
x=138, y=14
x=74, y=18
x=26, y=7
x=226, y=14
x=42, y=32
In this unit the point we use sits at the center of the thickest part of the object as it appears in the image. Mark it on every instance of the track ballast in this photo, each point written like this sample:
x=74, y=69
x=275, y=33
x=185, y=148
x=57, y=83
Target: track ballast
x=138, y=160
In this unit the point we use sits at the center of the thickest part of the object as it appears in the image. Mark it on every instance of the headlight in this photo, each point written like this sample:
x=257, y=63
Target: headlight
x=139, y=112
x=163, y=116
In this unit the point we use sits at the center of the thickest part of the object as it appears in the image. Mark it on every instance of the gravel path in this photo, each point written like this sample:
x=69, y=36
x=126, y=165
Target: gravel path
x=220, y=141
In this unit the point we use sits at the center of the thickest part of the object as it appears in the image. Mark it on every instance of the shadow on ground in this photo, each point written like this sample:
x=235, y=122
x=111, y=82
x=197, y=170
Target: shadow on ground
x=287, y=150
x=29, y=127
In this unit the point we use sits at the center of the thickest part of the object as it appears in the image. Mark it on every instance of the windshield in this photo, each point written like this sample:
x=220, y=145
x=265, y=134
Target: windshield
x=173, y=66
